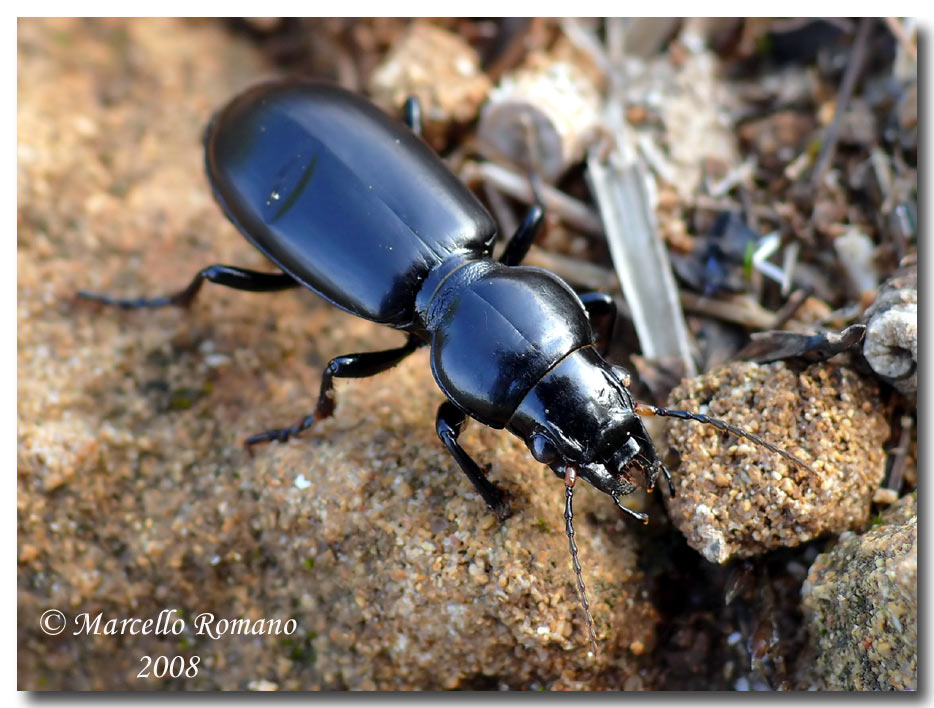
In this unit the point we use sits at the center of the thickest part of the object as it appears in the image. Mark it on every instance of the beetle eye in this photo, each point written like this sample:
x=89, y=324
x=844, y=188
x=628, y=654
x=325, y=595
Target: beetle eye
x=542, y=449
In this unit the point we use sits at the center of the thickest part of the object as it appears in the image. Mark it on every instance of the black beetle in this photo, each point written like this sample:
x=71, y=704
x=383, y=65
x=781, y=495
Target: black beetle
x=357, y=208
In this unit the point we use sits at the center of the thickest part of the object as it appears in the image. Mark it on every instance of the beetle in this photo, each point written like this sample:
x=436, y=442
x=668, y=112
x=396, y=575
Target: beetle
x=356, y=207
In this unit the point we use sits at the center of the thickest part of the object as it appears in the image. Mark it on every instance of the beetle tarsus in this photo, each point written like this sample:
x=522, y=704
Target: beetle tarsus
x=637, y=515
x=279, y=434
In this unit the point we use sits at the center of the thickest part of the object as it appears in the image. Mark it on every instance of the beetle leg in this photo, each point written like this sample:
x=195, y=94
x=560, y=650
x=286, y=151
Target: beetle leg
x=601, y=309
x=412, y=112
x=237, y=278
x=522, y=240
x=349, y=366
x=448, y=424
x=638, y=515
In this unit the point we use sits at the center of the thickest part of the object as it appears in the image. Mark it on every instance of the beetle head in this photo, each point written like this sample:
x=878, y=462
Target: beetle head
x=581, y=415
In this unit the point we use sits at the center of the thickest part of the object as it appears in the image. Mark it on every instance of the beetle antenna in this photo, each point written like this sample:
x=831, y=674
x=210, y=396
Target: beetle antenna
x=570, y=477
x=645, y=410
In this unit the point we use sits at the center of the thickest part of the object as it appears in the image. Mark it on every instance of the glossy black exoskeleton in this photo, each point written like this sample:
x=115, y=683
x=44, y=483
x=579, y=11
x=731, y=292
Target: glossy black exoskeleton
x=352, y=205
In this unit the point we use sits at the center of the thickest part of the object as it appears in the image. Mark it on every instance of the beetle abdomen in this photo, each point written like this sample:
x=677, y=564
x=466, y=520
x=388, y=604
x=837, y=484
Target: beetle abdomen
x=341, y=197
x=496, y=331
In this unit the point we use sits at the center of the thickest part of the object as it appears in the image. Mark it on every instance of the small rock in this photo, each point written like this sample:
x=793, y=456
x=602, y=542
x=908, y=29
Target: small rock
x=860, y=603
x=891, y=343
x=548, y=103
x=736, y=499
x=28, y=553
x=778, y=138
x=438, y=67
x=262, y=685
x=856, y=253
x=858, y=125
x=885, y=496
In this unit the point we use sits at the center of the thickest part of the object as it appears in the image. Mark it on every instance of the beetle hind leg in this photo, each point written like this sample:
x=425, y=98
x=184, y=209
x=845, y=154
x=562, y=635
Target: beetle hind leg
x=349, y=366
x=448, y=424
x=229, y=276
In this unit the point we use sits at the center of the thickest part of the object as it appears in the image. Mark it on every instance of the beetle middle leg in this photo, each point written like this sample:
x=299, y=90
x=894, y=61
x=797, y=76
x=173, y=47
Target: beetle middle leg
x=522, y=240
x=349, y=366
x=448, y=424
x=412, y=114
x=236, y=278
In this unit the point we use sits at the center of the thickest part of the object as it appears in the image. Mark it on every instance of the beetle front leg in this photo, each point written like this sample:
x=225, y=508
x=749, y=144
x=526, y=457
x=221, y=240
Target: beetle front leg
x=349, y=366
x=448, y=424
x=229, y=276
x=601, y=309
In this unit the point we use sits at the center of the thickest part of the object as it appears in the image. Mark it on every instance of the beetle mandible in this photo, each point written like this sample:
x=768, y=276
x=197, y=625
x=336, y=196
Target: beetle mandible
x=357, y=208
